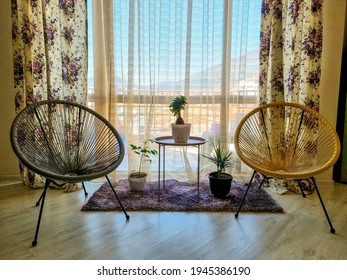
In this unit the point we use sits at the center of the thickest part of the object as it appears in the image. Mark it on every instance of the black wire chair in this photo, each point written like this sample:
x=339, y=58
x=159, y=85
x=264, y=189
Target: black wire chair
x=66, y=142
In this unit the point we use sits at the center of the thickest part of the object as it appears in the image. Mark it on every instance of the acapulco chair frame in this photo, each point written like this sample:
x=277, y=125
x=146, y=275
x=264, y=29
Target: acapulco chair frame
x=66, y=142
x=287, y=141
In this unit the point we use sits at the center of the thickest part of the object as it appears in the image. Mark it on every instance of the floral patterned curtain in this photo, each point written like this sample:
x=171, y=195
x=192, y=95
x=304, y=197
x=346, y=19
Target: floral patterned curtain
x=49, y=54
x=290, y=57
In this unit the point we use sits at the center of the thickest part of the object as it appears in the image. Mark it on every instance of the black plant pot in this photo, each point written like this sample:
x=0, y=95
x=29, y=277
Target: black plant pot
x=220, y=187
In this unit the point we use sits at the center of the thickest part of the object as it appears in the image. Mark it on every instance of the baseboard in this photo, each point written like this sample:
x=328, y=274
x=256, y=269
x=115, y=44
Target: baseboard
x=329, y=183
x=10, y=177
x=6, y=180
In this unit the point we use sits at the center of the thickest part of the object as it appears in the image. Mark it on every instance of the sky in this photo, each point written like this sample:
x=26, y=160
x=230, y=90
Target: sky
x=159, y=52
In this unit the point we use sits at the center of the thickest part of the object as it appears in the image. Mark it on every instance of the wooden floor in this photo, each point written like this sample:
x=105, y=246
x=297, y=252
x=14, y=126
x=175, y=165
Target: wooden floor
x=67, y=233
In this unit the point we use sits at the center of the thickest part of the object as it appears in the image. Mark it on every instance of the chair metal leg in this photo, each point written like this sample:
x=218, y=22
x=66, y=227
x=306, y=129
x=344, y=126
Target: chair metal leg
x=84, y=188
x=262, y=181
x=42, y=200
x=53, y=182
x=301, y=189
x=249, y=184
x=38, y=202
x=120, y=203
x=332, y=230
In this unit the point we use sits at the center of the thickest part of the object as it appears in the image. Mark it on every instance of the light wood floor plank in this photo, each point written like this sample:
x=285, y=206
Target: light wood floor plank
x=66, y=232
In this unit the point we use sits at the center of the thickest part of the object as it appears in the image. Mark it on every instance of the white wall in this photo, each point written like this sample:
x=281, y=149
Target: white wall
x=8, y=161
x=333, y=36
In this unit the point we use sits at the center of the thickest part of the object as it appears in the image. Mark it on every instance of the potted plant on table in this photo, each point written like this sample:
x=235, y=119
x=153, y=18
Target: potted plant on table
x=220, y=182
x=137, y=179
x=180, y=130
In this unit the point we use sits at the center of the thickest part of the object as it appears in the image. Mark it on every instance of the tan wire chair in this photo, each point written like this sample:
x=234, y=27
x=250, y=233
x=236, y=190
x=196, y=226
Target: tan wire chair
x=287, y=140
x=66, y=142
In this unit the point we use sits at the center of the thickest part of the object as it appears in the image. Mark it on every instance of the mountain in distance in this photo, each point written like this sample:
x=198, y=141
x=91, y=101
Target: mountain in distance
x=244, y=70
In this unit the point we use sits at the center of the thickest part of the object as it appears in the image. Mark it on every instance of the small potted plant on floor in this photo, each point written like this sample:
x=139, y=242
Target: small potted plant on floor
x=220, y=182
x=180, y=130
x=137, y=179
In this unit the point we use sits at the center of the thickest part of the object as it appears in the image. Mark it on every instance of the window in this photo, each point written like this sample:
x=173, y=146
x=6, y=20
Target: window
x=143, y=53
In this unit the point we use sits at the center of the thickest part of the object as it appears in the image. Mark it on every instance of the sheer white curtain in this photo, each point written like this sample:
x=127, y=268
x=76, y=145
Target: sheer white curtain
x=143, y=53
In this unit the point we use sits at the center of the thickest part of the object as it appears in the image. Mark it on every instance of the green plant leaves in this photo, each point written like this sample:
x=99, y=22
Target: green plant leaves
x=144, y=152
x=221, y=156
x=176, y=106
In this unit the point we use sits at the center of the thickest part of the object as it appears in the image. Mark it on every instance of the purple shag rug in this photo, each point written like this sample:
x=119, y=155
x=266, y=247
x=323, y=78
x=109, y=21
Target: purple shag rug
x=180, y=196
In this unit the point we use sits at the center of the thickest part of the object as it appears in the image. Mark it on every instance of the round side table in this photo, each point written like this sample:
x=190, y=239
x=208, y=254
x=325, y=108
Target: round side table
x=164, y=141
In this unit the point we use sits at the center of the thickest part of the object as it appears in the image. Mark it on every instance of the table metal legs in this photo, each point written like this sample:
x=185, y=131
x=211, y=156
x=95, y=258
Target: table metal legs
x=159, y=171
x=198, y=182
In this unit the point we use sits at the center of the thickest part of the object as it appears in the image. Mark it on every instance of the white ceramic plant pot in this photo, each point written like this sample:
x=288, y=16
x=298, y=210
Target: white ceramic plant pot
x=137, y=181
x=180, y=132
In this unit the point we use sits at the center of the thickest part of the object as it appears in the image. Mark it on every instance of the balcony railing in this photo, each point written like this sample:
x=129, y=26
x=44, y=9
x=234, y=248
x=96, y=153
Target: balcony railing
x=206, y=110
